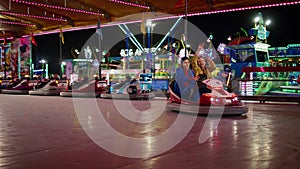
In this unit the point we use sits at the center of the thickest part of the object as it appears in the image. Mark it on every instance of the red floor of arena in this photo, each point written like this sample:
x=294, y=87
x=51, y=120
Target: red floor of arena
x=41, y=132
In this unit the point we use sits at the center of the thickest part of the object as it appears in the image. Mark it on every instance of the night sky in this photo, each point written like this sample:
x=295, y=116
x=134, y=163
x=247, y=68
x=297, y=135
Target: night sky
x=283, y=31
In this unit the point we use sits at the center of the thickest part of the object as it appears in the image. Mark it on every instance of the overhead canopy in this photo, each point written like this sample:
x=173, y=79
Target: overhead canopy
x=20, y=17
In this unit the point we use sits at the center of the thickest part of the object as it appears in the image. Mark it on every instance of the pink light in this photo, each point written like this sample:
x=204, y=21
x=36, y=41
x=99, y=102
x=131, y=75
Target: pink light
x=9, y=38
x=171, y=17
x=16, y=23
x=56, y=7
x=244, y=8
x=86, y=27
x=262, y=69
x=130, y=4
x=33, y=16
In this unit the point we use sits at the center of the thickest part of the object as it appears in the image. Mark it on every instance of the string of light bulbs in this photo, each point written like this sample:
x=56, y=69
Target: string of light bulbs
x=16, y=23
x=130, y=4
x=171, y=17
x=57, y=7
x=33, y=16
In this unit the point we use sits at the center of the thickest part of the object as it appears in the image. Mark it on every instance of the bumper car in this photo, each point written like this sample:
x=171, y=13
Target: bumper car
x=22, y=88
x=41, y=83
x=52, y=88
x=4, y=84
x=128, y=90
x=93, y=88
x=214, y=99
x=78, y=83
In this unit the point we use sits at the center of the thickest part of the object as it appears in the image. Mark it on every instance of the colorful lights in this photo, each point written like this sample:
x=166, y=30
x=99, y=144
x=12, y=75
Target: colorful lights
x=167, y=17
x=16, y=23
x=8, y=38
x=130, y=4
x=33, y=16
x=230, y=10
x=56, y=7
x=268, y=22
x=245, y=8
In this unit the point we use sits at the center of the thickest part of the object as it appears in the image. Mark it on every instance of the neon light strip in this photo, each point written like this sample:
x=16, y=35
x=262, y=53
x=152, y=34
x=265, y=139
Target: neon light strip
x=83, y=60
x=244, y=8
x=10, y=38
x=86, y=27
x=16, y=23
x=56, y=7
x=132, y=40
x=33, y=16
x=164, y=38
x=130, y=33
x=130, y=4
x=169, y=17
x=230, y=10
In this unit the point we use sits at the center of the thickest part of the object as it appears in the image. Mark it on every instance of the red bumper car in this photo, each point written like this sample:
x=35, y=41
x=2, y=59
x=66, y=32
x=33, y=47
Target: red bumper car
x=216, y=101
x=22, y=88
x=93, y=88
x=52, y=88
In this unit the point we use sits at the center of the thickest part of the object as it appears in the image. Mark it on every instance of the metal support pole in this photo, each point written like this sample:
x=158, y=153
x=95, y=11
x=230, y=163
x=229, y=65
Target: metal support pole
x=167, y=35
x=100, y=57
x=127, y=47
x=30, y=59
x=149, y=59
x=5, y=64
x=19, y=63
x=60, y=55
x=185, y=28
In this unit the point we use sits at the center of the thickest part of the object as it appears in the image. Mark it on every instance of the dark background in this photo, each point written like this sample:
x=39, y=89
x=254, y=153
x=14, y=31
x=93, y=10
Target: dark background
x=283, y=31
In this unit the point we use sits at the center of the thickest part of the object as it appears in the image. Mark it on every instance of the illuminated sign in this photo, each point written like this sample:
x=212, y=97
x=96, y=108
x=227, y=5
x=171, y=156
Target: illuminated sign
x=137, y=52
x=261, y=47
